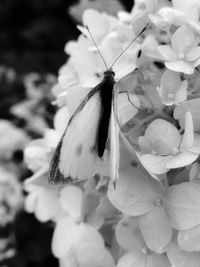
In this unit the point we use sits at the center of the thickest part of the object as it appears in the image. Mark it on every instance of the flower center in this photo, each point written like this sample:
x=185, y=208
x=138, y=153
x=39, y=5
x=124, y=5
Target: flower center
x=158, y=202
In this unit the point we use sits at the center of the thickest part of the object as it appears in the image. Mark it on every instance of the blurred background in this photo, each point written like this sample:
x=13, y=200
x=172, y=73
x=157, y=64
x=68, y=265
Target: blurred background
x=32, y=39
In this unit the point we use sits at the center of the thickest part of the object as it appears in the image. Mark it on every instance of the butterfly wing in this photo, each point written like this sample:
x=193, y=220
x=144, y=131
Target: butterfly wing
x=114, y=140
x=76, y=157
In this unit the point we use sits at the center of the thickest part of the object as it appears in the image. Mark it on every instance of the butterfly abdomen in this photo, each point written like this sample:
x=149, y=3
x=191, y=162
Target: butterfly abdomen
x=106, y=94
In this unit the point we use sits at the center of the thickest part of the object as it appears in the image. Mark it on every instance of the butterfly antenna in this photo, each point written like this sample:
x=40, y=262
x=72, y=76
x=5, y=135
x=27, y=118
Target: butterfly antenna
x=96, y=46
x=144, y=29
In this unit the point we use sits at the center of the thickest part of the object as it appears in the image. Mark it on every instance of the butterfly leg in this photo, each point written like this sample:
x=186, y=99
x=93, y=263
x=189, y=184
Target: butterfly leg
x=129, y=99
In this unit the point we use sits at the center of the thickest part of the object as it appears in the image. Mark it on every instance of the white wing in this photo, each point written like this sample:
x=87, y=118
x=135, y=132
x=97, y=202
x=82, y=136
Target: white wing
x=76, y=157
x=114, y=140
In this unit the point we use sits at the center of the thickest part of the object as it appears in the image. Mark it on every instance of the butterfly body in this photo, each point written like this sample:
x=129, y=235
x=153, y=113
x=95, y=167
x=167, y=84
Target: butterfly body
x=106, y=93
x=81, y=148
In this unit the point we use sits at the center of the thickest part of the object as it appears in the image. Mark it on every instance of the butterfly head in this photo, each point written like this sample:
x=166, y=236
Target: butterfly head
x=109, y=74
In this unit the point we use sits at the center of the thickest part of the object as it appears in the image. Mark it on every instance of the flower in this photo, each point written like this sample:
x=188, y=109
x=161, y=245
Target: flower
x=183, y=55
x=175, y=253
x=11, y=198
x=138, y=220
x=172, y=90
x=11, y=139
x=32, y=110
x=167, y=149
x=42, y=201
x=73, y=234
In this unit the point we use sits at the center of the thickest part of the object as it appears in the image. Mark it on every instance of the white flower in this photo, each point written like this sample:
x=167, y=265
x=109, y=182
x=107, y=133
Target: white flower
x=163, y=148
x=11, y=139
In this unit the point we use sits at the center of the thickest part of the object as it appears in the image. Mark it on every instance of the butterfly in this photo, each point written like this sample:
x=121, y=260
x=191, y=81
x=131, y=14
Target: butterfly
x=80, y=152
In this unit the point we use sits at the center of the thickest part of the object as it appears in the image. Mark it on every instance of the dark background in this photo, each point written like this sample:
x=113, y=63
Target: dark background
x=34, y=32
x=32, y=37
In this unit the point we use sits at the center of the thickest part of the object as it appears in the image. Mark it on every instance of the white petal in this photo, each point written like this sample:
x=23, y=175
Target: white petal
x=167, y=52
x=188, y=136
x=71, y=201
x=64, y=236
x=154, y=163
x=180, y=160
x=180, y=66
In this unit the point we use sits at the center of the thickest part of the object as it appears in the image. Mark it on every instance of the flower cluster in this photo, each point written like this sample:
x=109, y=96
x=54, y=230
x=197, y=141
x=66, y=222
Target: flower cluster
x=11, y=202
x=151, y=216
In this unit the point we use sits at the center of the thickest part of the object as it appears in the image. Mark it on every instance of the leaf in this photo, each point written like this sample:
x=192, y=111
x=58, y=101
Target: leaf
x=182, y=203
x=134, y=193
x=189, y=240
x=128, y=234
x=156, y=229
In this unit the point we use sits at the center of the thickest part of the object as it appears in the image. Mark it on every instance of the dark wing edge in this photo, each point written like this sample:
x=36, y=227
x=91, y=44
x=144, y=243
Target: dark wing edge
x=55, y=176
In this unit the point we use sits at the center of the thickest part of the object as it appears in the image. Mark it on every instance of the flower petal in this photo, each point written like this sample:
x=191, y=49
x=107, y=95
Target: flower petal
x=64, y=236
x=96, y=23
x=180, y=66
x=189, y=240
x=154, y=163
x=181, y=258
x=131, y=259
x=191, y=105
x=182, y=204
x=134, y=193
x=92, y=255
x=128, y=234
x=188, y=136
x=182, y=40
x=193, y=54
x=180, y=160
x=163, y=136
x=71, y=201
x=166, y=52
x=156, y=229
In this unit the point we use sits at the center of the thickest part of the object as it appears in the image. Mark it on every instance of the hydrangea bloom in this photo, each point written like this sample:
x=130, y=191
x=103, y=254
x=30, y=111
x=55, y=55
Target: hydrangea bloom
x=11, y=199
x=151, y=216
x=168, y=149
x=172, y=90
x=11, y=139
x=183, y=55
